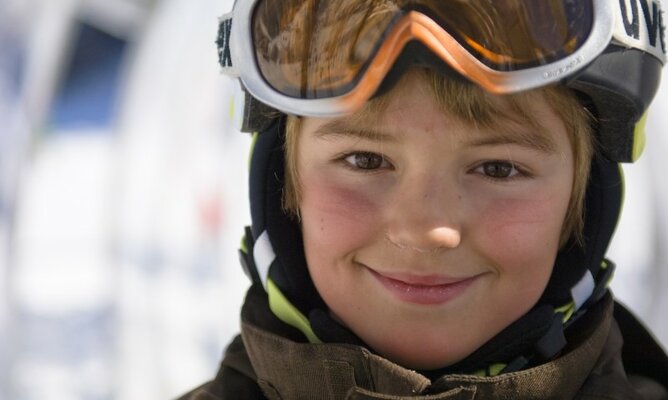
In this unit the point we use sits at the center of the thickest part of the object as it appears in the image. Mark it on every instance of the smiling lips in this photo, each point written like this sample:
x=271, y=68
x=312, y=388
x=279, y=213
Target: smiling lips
x=426, y=290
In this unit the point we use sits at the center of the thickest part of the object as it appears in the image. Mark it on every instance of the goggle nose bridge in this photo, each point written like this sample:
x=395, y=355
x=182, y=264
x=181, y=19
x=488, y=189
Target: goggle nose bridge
x=416, y=26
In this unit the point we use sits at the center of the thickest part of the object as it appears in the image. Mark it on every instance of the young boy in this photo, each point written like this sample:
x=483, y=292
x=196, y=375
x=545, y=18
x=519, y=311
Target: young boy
x=433, y=188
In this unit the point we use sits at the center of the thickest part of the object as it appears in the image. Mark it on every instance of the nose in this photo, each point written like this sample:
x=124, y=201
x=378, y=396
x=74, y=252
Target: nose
x=434, y=239
x=424, y=216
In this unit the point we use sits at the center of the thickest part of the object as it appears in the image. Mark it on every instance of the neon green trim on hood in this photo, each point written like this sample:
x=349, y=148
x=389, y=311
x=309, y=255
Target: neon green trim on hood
x=639, y=138
x=567, y=310
x=288, y=313
x=492, y=370
x=243, y=246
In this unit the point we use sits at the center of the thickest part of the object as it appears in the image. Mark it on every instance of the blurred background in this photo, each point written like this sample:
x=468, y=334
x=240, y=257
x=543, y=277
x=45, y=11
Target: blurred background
x=123, y=200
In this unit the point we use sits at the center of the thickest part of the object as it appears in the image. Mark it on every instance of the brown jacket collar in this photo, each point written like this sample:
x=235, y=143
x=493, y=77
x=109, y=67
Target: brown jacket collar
x=289, y=370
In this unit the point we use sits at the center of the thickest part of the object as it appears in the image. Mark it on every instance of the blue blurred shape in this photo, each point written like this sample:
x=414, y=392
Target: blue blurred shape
x=87, y=95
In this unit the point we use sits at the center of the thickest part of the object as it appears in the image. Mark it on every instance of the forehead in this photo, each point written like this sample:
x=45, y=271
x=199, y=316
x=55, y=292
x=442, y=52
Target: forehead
x=463, y=101
x=442, y=131
x=527, y=114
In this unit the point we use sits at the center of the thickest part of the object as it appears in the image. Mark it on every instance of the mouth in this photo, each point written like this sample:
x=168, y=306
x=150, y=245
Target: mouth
x=424, y=290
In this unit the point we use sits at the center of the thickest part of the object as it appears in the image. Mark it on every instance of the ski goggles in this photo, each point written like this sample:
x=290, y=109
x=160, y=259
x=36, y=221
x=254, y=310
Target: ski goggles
x=326, y=58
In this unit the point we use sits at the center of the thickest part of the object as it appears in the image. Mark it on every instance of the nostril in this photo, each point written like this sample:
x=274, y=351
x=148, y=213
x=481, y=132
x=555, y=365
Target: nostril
x=404, y=246
x=428, y=241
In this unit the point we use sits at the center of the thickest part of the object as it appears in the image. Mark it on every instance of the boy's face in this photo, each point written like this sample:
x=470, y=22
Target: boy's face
x=426, y=236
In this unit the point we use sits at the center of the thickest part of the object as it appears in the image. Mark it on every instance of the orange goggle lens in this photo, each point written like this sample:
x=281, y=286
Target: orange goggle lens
x=316, y=49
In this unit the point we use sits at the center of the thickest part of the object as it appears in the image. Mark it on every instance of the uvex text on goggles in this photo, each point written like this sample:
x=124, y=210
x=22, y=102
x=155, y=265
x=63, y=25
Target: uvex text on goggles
x=323, y=58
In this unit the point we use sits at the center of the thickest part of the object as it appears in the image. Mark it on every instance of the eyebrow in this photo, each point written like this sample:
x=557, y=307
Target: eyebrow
x=344, y=128
x=537, y=138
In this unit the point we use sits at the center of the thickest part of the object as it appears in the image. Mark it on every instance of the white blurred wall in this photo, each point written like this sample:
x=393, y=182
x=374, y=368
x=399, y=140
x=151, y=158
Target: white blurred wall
x=118, y=242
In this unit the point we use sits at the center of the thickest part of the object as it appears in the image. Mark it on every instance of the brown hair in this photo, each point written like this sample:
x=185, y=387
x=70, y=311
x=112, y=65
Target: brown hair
x=472, y=105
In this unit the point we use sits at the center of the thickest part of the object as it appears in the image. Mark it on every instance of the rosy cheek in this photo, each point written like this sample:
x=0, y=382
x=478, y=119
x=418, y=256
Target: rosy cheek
x=337, y=214
x=520, y=232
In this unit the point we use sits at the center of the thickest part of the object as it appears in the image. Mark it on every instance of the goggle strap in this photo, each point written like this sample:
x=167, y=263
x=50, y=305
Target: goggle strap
x=223, y=43
x=258, y=117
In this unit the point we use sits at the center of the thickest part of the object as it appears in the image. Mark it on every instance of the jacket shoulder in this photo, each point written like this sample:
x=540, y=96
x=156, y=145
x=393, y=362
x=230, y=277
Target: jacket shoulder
x=632, y=364
x=645, y=360
x=235, y=378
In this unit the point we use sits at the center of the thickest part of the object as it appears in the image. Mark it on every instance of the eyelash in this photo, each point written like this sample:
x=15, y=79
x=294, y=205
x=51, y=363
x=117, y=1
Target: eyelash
x=344, y=159
x=519, y=172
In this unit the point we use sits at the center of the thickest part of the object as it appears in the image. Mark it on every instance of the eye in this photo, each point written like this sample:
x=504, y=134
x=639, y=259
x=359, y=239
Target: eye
x=498, y=169
x=366, y=160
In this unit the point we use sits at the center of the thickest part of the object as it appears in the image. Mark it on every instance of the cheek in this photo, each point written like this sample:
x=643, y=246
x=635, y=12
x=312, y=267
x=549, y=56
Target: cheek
x=522, y=232
x=334, y=216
